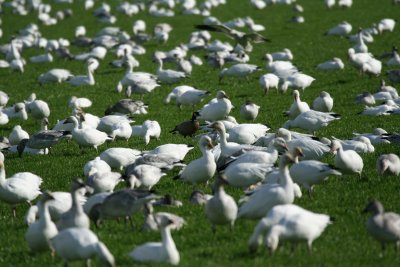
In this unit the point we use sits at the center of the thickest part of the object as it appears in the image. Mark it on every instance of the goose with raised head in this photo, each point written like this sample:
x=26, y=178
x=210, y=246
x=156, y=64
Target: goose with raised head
x=347, y=161
x=75, y=216
x=323, y=103
x=75, y=244
x=217, y=109
x=268, y=81
x=201, y=169
x=264, y=198
x=334, y=64
x=40, y=233
x=19, y=188
x=88, y=79
x=301, y=225
x=311, y=120
x=87, y=137
x=168, y=76
x=188, y=128
x=297, y=106
x=221, y=208
x=159, y=252
x=389, y=163
x=383, y=226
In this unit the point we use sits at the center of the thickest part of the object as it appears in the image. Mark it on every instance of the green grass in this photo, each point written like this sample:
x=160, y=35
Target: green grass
x=344, y=243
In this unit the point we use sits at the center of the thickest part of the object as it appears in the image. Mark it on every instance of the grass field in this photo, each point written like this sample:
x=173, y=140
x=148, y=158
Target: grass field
x=344, y=243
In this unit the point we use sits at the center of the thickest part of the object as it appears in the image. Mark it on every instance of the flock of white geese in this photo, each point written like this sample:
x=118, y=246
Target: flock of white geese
x=271, y=168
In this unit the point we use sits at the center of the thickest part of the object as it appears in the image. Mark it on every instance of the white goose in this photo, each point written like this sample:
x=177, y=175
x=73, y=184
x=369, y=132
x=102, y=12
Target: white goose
x=247, y=133
x=55, y=76
x=102, y=181
x=282, y=69
x=240, y=70
x=17, y=134
x=168, y=76
x=301, y=225
x=177, y=151
x=249, y=111
x=347, y=161
x=149, y=129
x=297, y=80
x=341, y=29
x=389, y=163
x=39, y=233
x=201, y=169
x=386, y=25
x=334, y=64
x=84, y=79
x=97, y=163
x=311, y=121
x=81, y=244
x=217, y=109
x=221, y=208
x=191, y=97
x=297, y=106
x=120, y=157
x=323, y=103
x=268, y=81
x=75, y=216
x=38, y=109
x=159, y=252
x=285, y=54
x=87, y=137
x=376, y=137
x=264, y=198
x=144, y=176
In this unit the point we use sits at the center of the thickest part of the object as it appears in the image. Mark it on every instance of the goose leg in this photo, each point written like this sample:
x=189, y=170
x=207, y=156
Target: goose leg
x=309, y=246
x=14, y=211
x=88, y=263
x=53, y=254
x=382, y=249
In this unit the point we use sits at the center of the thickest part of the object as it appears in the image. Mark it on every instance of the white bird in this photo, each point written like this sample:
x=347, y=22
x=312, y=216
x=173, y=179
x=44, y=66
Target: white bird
x=40, y=233
x=75, y=216
x=44, y=58
x=168, y=76
x=79, y=102
x=144, y=176
x=297, y=80
x=394, y=60
x=3, y=99
x=297, y=225
x=389, y=163
x=120, y=157
x=384, y=109
x=345, y=3
x=84, y=79
x=376, y=137
x=341, y=29
x=386, y=25
x=17, y=134
x=282, y=69
x=347, y=161
x=38, y=109
x=383, y=226
x=372, y=66
x=190, y=97
x=240, y=70
x=323, y=103
x=159, y=252
x=297, y=106
x=217, y=109
x=221, y=208
x=87, y=137
x=98, y=164
x=311, y=120
x=177, y=151
x=246, y=133
x=358, y=59
x=285, y=54
x=55, y=76
x=75, y=244
x=101, y=181
x=268, y=81
x=264, y=198
x=149, y=129
x=249, y=110
x=334, y=64
x=19, y=188
x=201, y=169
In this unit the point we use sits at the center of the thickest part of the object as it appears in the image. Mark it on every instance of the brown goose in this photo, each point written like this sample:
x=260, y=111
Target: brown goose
x=187, y=128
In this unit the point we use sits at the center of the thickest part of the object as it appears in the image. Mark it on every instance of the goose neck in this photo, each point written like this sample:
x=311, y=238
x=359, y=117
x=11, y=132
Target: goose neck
x=90, y=75
x=2, y=175
x=286, y=179
x=75, y=202
x=44, y=215
x=166, y=238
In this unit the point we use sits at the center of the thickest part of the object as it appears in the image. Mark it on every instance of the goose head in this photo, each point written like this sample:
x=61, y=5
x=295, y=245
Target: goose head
x=382, y=165
x=296, y=95
x=285, y=160
x=46, y=196
x=205, y=142
x=222, y=74
x=379, y=131
x=375, y=207
x=198, y=197
x=297, y=152
x=279, y=143
x=335, y=145
x=272, y=238
x=77, y=184
x=218, y=126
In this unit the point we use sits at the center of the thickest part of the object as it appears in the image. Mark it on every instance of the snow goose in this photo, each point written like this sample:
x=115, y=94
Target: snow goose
x=297, y=80
x=347, y=161
x=127, y=106
x=394, y=60
x=297, y=106
x=221, y=208
x=162, y=161
x=3, y=99
x=244, y=174
x=301, y=225
x=159, y=252
x=38, y=109
x=359, y=144
x=176, y=92
x=149, y=129
x=264, y=198
x=168, y=76
x=358, y=59
x=44, y=58
x=108, y=123
x=310, y=172
x=341, y=29
x=285, y=54
x=55, y=76
x=201, y=169
x=17, y=110
x=39, y=233
x=97, y=163
x=137, y=82
x=389, y=89
x=75, y=244
x=177, y=151
x=280, y=68
x=246, y=133
x=120, y=157
x=386, y=25
x=372, y=66
x=239, y=70
x=101, y=181
x=75, y=216
x=144, y=176
x=249, y=111
x=383, y=226
x=152, y=220
x=376, y=137
x=389, y=163
x=191, y=97
x=384, y=109
x=84, y=79
x=311, y=120
x=19, y=188
x=360, y=46
x=323, y=103
x=268, y=81
x=334, y=64
x=217, y=109
x=17, y=135
x=188, y=128
x=87, y=137
x=365, y=98
x=79, y=103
